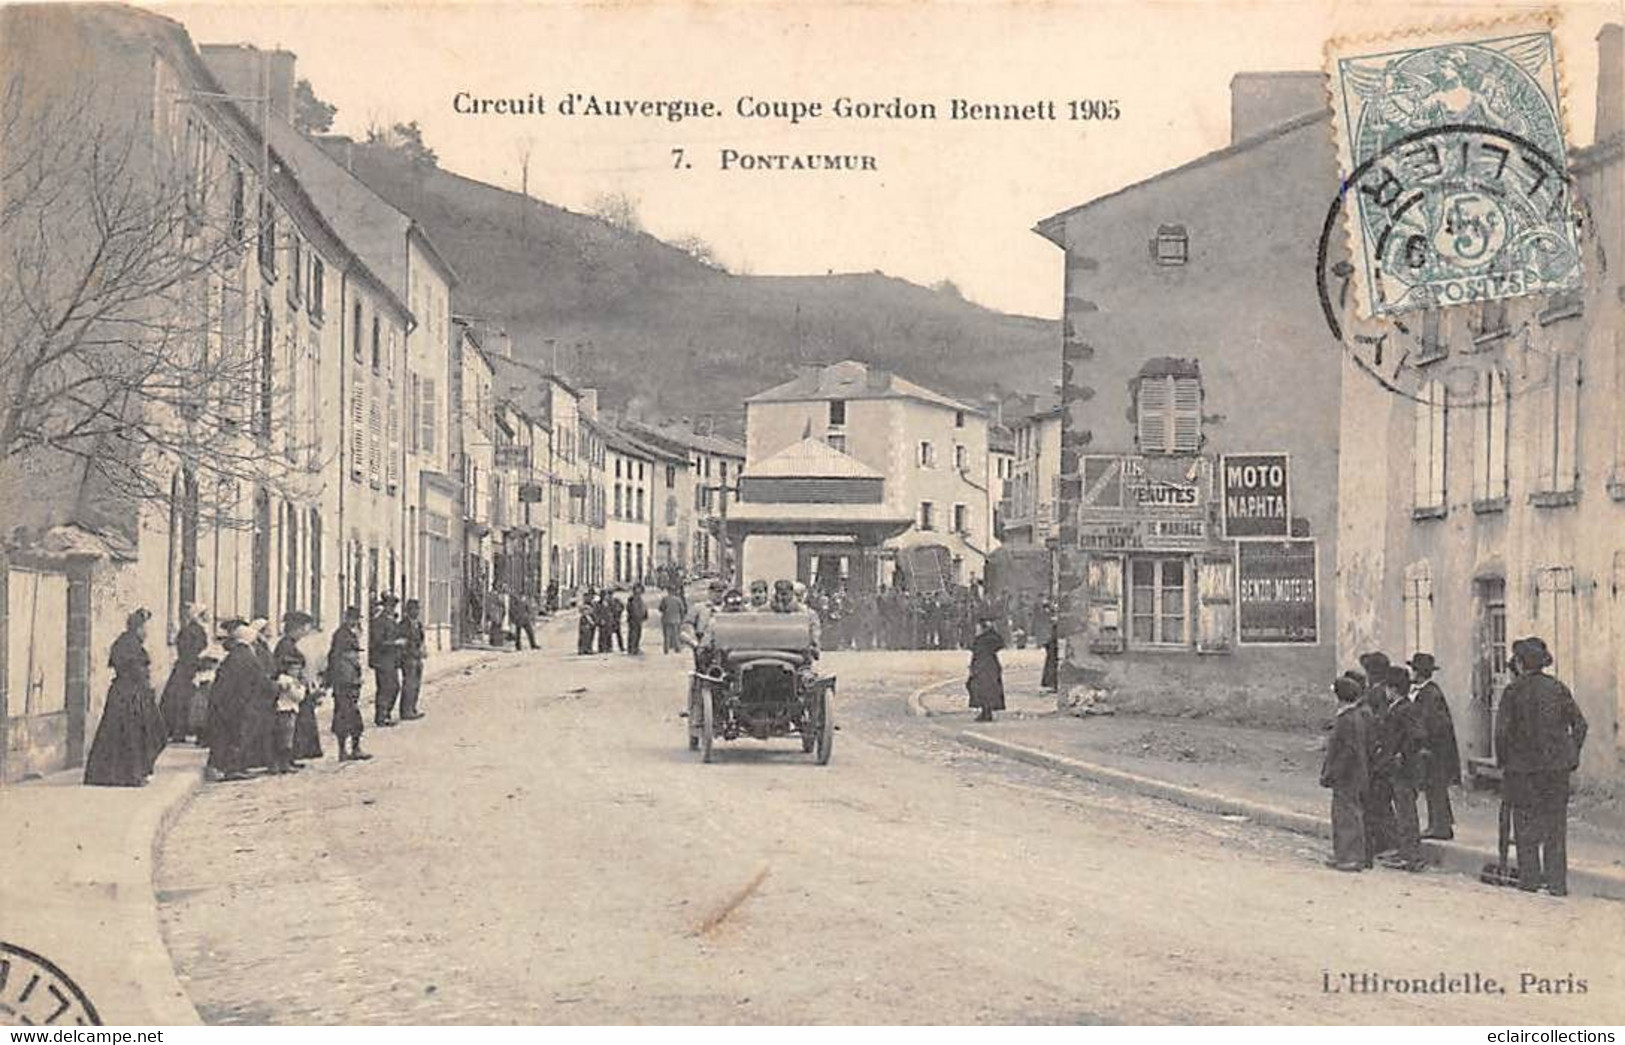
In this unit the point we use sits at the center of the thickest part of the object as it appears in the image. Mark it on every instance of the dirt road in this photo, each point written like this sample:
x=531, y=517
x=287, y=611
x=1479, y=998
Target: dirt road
x=543, y=848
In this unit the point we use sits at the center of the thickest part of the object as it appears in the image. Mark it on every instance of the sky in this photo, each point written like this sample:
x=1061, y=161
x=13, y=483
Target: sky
x=948, y=200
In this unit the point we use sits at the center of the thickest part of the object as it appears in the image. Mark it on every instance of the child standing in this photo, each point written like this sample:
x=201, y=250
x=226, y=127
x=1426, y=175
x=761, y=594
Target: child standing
x=344, y=676
x=1347, y=772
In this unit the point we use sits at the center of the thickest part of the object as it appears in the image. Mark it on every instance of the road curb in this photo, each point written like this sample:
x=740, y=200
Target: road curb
x=173, y=1006
x=916, y=699
x=1452, y=856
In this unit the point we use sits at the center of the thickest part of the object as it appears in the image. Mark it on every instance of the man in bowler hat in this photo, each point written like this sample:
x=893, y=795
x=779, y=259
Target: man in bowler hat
x=384, y=644
x=1539, y=732
x=1444, y=763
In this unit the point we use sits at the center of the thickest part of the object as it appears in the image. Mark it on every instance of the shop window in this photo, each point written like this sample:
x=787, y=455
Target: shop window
x=1490, y=449
x=1417, y=596
x=1159, y=602
x=1168, y=414
x=1428, y=451
x=1557, y=464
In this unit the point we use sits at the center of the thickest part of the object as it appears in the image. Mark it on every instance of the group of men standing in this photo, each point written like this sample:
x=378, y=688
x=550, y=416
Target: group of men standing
x=608, y=625
x=1393, y=741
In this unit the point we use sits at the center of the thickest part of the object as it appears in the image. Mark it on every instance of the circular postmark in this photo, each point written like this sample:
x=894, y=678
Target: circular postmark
x=34, y=992
x=1464, y=199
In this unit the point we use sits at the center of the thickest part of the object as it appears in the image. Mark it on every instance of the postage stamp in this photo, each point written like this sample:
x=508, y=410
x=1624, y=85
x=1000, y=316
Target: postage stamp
x=1454, y=165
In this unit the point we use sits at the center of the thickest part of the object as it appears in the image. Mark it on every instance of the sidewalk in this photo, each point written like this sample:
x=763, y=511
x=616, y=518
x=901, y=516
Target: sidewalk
x=1268, y=776
x=76, y=875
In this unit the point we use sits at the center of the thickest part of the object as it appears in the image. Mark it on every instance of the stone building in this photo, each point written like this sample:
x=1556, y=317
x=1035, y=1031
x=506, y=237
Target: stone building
x=1192, y=332
x=1483, y=486
x=932, y=451
x=705, y=488
x=1035, y=463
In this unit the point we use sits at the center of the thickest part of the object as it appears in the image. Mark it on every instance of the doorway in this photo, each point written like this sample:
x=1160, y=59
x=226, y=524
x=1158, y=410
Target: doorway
x=1491, y=672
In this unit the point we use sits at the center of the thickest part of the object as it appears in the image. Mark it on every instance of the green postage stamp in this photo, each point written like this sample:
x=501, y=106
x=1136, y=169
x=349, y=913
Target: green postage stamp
x=1454, y=165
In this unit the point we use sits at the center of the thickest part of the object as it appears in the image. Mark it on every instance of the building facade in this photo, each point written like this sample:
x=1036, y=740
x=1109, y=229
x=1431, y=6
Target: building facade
x=1193, y=342
x=931, y=449
x=1035, y=466
x=1483, y=485
x=703, y=489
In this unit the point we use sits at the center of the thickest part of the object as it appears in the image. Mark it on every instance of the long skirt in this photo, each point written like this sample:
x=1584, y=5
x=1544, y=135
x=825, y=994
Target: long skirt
x=307, y=736
x=347, y=714
x=128, y=738
x=179, y=693
x=257, y=735
x=1051, y=662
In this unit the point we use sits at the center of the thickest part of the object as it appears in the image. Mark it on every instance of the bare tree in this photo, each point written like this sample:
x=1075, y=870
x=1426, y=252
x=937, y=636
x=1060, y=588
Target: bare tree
x=123, y=334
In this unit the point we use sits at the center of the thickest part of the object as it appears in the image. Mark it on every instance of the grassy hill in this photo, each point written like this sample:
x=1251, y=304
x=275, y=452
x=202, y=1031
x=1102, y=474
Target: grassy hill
x=661, y=333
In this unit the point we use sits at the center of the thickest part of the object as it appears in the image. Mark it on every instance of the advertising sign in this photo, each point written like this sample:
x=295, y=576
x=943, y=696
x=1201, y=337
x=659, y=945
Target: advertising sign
x=1277, y=593
x=1138, y=533
x=1256, y=495
x=512, y=455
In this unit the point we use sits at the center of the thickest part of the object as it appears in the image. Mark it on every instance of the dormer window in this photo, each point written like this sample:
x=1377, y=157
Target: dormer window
x=1171, y=246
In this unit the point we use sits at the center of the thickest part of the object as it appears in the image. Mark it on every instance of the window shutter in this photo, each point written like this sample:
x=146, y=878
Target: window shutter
x=1418, y=598
x=1490, y=468
x=393, y=421
x=1153, y=413
x=358, y=431
x=375, y=423
x=415, y=405
x=1566, y=467
x=1216, y=601
x=1555, y=617
x=1187, y=415
x=1428, y=449
x=1105, y=612
x=430, y=416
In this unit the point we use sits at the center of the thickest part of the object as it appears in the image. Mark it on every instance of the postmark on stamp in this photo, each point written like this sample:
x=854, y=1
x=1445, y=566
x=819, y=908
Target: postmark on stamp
x=1455, y=167
x=35, y=993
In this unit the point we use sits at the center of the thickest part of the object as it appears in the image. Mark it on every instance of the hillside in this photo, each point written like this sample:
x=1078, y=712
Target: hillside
x=661, y=333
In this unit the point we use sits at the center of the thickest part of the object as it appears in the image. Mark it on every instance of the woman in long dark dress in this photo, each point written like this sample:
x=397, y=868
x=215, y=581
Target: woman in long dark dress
x=986, y=680
x=131, y=732
x=181, y=689
x=239, y=683
x=1049, y=638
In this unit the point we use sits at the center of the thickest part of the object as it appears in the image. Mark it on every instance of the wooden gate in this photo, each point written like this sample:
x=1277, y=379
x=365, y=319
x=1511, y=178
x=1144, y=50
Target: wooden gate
x=36, y=712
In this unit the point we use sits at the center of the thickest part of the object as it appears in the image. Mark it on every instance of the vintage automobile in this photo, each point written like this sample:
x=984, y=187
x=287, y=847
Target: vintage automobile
x=756, y=677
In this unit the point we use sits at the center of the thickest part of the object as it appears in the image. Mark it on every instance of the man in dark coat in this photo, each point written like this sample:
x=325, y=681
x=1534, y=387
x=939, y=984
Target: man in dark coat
x=673, y=608
x=1539, y=733
x=1444, y=765
x=410, y=633
x=986, y=680
x=344, y=676
x=524, y=621
x=1380, y=829
x=1404, y=743
x=587, y=623
x=1346, y=771
x=1049, y=637
x=384, y=644
x=294, y=688
x=637, y=611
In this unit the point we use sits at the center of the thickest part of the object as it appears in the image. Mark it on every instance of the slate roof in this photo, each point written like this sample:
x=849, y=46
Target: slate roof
x=851, y=379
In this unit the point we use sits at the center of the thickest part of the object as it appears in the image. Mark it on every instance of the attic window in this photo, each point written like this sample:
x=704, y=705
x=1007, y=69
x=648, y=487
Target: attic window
x=1171, y=246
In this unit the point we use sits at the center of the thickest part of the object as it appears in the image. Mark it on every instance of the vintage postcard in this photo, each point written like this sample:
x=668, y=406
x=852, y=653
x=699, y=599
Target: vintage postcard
x=908, y=514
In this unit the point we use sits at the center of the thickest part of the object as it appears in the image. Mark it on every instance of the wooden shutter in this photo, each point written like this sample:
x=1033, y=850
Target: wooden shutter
x=1154, y=408
x=1428, y=449
x=375, y=424
x=1555, y=617
x=392, y=415
x=1418, y=600
x=1490, y=468
x=1105, y=611
x=429, y=416
x=1216, y=604
x=1187, y=415
x=358, y=431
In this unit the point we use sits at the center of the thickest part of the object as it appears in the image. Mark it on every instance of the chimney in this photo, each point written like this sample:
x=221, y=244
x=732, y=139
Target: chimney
x=1259, y=101
x=1610, y=88
x=589, y=403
